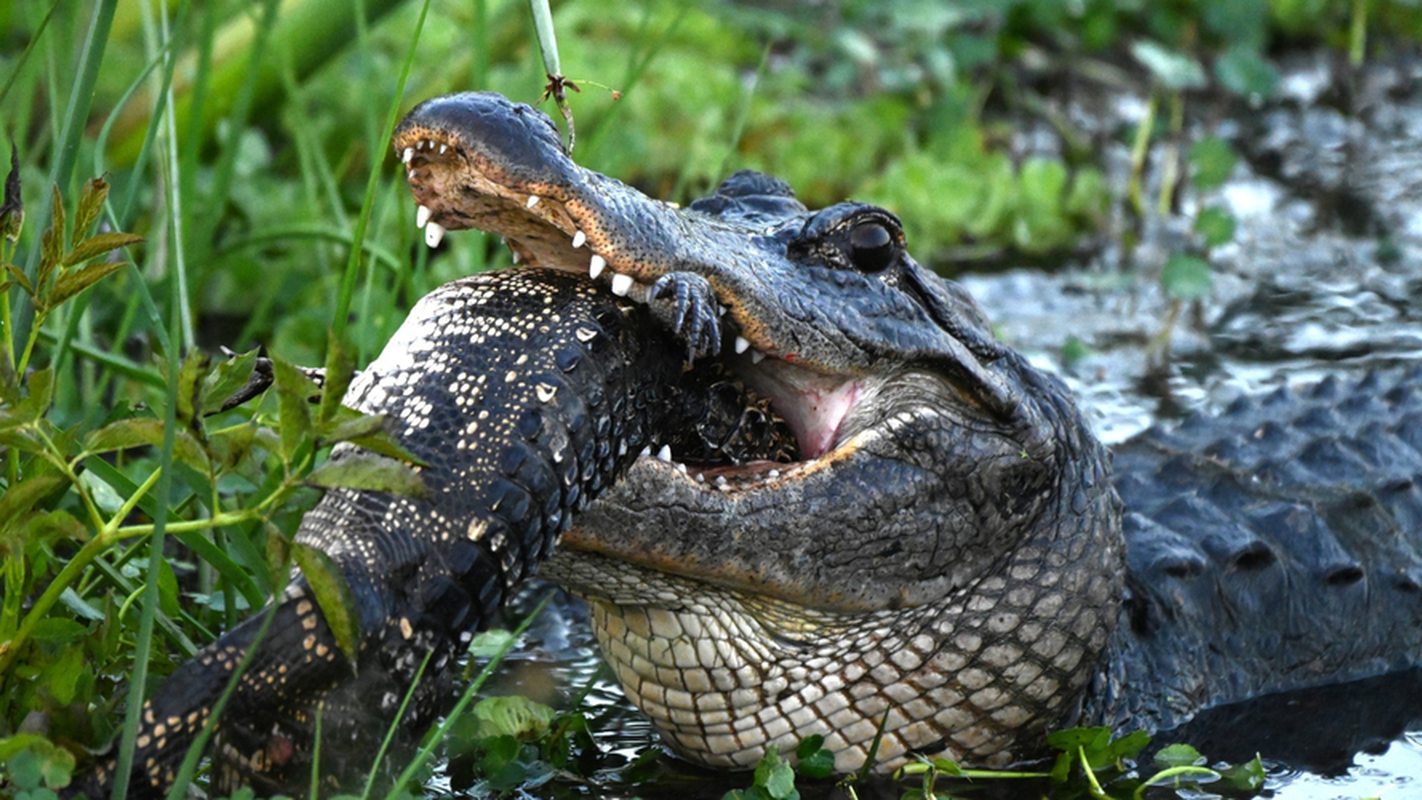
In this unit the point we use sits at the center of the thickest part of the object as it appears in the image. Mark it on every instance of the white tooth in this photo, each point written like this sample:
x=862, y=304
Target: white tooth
x=773, y=474
x=434, y=234
x=443, y=148
x=681, y=468
x=757, y=356
x=741, y=345
x=410, y=174
x=596, y=266
x=532, y=200
x=646, y=451
x=408, y=154
x=622, y=448
x=621, y=284
x=578, y=238
x=514, y=255
x=664, y=453
x=420, y=145
x=422, y=215
x=721, y=481
x=700, y=478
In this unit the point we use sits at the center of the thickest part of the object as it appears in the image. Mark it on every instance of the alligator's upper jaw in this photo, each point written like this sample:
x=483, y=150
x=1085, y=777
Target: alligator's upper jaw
x=477, y=160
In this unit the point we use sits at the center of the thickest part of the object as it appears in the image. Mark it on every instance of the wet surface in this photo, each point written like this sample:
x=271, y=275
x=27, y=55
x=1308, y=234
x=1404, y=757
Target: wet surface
x=1324, y=277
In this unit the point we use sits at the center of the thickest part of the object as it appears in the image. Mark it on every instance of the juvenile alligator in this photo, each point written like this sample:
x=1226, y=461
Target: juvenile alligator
x=524, y=394
x=951, y=560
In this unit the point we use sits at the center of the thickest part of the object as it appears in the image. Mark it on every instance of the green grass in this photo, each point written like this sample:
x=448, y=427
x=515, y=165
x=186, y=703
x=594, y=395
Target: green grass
x=247, y=144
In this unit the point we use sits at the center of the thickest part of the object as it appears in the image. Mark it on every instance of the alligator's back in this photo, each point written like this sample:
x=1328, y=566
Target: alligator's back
x=1274, y=547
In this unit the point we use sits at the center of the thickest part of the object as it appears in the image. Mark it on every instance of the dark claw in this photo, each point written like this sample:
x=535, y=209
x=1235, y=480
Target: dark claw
x=696, y=317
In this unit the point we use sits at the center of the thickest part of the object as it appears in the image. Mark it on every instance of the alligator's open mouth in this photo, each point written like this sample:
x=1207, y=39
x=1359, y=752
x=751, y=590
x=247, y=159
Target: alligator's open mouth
x=512, y=180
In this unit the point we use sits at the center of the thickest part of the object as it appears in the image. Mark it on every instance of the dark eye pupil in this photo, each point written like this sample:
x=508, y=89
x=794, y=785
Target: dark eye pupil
x=871, y=247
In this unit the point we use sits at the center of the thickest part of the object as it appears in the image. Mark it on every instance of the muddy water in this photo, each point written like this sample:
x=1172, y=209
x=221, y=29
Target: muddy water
x=1324, y=277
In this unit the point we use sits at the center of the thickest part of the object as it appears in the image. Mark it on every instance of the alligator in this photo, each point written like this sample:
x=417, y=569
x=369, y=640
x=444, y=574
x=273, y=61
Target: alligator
x=939, y=560
x=951, y=566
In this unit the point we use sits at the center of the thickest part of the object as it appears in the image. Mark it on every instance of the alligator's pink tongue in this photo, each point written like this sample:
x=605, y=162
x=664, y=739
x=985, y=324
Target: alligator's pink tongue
x=813, y=405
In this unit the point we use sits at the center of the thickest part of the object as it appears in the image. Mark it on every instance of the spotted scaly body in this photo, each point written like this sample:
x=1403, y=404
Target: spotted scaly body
x=524, y=394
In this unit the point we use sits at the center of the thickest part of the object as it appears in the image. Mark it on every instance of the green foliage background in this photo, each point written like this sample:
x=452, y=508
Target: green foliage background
x=239, y=139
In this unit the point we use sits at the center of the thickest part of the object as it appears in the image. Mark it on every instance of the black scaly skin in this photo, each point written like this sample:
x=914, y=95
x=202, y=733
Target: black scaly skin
x=946, y=568
x=526, y=393
x=1276, y=545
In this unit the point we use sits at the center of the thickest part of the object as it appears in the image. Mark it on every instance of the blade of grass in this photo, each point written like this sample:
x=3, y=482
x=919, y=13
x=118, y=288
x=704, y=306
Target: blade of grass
x=434, y=739
x=343, y=300
x=393, y=727
x=29, y=48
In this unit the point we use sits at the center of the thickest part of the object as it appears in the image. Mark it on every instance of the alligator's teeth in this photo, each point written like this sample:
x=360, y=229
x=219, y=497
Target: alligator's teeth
x=596, y=266
x=434, y=234
x=681, y=468
x=721, y=481
x=532, y=201
x=407, y=155
x=514, y=255
x=622, y=448
x=664, y=453
x=700, y=477
x=410, y=174
x=741, y=345
x=443, y=148
x=646, y=451
x=621, y=284
x=773, y=474
x=578, y=238
x=757, y=356
x=422, y=216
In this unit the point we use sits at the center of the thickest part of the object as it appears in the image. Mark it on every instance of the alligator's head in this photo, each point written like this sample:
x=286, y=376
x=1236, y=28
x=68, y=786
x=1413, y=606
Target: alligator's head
x=942, y=561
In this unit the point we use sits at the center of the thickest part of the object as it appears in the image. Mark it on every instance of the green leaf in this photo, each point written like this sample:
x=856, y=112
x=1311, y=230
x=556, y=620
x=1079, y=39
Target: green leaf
x=775, y=776
x=147, y=432
x=1186, y=277
x=293, y=388
x=513, y=715
x=17, y=500
x=190, y=376
x=51, y=247
x=1211, y=162
x=74, y=281
x=1072, y=738
x=1179, y=755
x=340, y=367
x=95, y=246
x=91, y=205
x=1074, y=350
x=488, y=644
x=29, y=410
x=333, y=594
x=226, y=380
x=1173, y=70
x=363, y=470
x=61, y=676
x=1246, y=777
x=814, y=760
x=1128, y=746
x=1243, y=71
x=18, y=276
x=1215, y=226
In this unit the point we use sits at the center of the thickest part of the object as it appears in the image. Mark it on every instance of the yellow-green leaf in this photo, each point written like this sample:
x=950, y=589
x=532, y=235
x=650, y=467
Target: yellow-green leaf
x=74, y=281
x=226, y=380
x=17, y=500
x=293, y=388
x=340, y=366
x=368, y=471
x=333, y=595
x=91, y=205
x=95, y=246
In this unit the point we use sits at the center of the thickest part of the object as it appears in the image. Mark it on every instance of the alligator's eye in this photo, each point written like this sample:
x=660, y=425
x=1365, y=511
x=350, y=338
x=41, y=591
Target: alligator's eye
x=871, y=247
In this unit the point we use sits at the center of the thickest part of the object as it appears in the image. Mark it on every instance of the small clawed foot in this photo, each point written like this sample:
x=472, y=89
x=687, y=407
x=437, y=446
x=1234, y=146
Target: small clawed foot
x=697, y=315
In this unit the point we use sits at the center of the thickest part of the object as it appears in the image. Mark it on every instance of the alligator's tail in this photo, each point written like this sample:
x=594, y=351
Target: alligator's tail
x=175, y=715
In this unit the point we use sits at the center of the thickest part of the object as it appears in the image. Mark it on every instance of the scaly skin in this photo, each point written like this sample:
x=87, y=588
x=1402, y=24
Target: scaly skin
x=948, y=559
x=525, y=394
